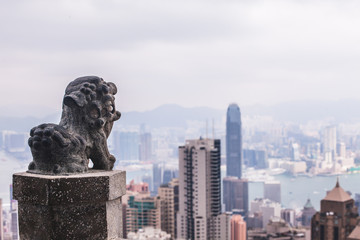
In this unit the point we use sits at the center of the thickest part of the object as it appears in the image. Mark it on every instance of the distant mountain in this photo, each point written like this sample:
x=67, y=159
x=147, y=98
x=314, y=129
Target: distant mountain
x=24, y=124
x=172, y=115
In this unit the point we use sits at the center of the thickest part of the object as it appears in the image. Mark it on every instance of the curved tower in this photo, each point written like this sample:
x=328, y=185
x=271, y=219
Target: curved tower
x=233, y=141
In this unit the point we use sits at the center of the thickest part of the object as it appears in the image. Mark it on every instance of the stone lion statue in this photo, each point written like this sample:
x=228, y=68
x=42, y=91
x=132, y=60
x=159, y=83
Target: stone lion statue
x=86, y=122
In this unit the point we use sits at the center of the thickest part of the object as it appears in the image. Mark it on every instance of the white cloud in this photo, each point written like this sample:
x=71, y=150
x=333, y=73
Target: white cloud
x=187, y=52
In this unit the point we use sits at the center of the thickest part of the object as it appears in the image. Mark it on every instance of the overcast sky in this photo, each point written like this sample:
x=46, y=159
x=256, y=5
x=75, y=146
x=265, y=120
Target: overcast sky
x=192, y=53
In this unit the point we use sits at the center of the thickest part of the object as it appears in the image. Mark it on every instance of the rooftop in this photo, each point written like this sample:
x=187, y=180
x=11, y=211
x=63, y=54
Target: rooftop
x=337, y=194
x=355, y=234
x=308, y=204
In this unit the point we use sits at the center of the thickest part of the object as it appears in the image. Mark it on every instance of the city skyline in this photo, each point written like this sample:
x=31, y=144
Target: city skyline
x=289, y=65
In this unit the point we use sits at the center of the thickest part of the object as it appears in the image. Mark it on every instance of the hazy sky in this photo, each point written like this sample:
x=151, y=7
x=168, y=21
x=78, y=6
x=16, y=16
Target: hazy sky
x=193, y=53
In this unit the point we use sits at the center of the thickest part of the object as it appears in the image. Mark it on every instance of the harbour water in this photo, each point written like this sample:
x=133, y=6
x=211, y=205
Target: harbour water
x=296, y=190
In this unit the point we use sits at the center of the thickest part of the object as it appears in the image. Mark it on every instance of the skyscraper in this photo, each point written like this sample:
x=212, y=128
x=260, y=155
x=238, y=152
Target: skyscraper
x=233, y=141
x=199, y=190
x=329, y=143
x=236, y=194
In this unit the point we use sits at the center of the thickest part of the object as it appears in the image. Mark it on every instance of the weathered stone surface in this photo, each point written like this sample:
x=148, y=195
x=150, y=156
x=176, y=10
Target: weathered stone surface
x=86, y=122
x=83, y=206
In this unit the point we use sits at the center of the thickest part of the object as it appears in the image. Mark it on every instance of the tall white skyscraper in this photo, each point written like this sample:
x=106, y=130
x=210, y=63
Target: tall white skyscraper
x=329, y=143
x=200, y=191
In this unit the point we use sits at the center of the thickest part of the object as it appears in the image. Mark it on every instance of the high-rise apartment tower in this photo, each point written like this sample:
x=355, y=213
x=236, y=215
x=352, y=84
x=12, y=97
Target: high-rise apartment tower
x=169, y=196
x=199, y=190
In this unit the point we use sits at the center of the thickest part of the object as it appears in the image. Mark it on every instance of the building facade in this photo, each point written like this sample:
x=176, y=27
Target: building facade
x=137, y=187
x=337, y=218
x=157, y=170
x=236, y=194
x=329, y=143
x=126, y=145
x=199, y=189
x=262, y=211
x=289, y=215
x=233, y=142
x=169, y=195
x=143, y=211
x=145, y=148
x=272, y=191
x=238, y=228
x=307, y=213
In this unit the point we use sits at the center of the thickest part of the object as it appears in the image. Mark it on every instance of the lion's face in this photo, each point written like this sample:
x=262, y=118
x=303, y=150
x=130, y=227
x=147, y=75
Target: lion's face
x=92, y=99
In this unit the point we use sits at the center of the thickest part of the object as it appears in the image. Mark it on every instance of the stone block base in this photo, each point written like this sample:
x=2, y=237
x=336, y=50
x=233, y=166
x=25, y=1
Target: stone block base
x=81, y=206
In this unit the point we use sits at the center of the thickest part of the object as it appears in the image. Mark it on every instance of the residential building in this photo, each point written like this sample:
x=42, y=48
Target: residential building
x=199, y=189
x=221, y=228
x=143, y=211
x=169, y=194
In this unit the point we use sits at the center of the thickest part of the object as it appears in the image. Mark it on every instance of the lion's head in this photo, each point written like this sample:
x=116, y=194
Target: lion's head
x=92, y=101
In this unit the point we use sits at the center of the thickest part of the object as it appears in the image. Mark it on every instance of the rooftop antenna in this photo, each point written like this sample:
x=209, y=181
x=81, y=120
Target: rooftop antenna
x=206, y=129
x=213, y=131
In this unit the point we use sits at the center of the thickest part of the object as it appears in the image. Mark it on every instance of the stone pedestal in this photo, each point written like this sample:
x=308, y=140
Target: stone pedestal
x=81, y=206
